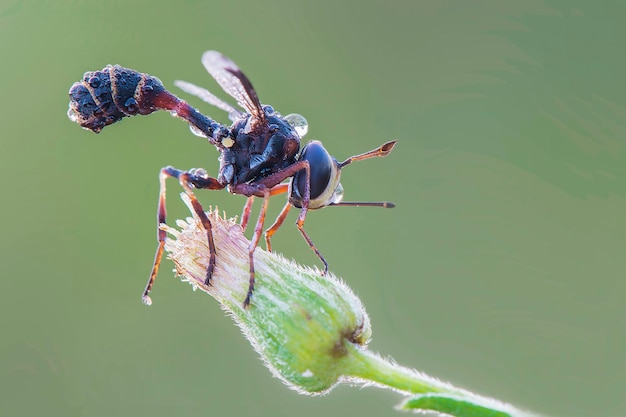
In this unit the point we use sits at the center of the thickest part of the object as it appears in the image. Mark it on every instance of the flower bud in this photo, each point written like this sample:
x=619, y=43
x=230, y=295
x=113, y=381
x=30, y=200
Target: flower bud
x=302, y=324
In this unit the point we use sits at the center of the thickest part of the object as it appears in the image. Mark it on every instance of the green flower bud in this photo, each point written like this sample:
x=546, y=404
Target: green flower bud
x=301, y=323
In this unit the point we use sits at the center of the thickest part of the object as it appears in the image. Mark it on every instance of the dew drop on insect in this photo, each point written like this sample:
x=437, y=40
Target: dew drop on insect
x=131, y=105
x=73, y=116
x=94, y=81
x=197, y=131
x=298, y=122
x=337, y=195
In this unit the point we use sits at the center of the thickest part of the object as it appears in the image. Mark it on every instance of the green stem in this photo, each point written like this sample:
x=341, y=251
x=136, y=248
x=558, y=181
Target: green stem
x=426, y=393
x=373, y=368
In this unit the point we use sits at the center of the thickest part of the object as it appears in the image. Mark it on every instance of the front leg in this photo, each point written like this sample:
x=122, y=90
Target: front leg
x=188, y=180
x=258, y=229
x=265, y=187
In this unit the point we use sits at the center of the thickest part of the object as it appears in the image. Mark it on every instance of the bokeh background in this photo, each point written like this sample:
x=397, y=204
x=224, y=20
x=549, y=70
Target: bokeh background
x=502, y=269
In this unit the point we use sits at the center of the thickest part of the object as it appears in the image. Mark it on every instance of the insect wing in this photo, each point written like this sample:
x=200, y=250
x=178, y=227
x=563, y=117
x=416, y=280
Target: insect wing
x=206, y=96
x=233, y=81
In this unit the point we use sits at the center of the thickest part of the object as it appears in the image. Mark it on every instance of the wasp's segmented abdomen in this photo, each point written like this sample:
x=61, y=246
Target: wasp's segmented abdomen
x=104, y=97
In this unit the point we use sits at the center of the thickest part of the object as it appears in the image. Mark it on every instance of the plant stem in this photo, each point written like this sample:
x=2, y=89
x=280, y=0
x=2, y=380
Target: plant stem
x=370, y=367
x=427, y=393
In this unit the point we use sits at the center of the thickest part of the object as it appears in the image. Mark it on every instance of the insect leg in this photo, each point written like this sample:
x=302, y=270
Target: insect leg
x=266, y=187
x=279, y=220
x=258, y=229
x=275, y=179
x=302, y=216
x=245, y=214
x=382, y=150
x=187, y=179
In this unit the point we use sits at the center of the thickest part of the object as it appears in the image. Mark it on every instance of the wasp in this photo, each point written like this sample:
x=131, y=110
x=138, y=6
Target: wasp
x=260, y=152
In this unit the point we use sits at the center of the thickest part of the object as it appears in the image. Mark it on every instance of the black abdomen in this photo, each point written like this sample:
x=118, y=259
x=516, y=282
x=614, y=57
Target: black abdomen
x=104, y=97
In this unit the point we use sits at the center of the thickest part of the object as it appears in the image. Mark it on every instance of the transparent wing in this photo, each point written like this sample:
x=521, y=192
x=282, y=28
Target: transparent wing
x=206, y=96
x=233, y=81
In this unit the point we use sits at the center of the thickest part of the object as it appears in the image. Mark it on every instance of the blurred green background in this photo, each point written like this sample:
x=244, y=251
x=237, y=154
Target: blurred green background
x=501, y=269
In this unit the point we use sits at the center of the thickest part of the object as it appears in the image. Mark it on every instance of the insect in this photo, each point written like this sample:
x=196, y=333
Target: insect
x=258, y=152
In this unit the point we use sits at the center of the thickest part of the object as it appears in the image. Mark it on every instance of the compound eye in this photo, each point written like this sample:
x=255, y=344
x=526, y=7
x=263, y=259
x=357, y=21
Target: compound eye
x=319, y=182
x=324, y=178
x=321, y=164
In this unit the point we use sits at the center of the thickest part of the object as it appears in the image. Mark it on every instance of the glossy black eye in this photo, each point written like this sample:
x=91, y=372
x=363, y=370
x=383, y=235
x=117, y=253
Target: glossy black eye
x=321, y=164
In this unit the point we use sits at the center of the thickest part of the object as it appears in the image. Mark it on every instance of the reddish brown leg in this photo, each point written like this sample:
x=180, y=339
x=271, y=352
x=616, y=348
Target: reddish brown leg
x=302, y=216
x=381, y=151
x=258, y=229
x=187, y=179
x=273, y=228
x=274, y=181
x=300, y=226
x=245, y=214
x=279, y=189
x=161, y=215
x=247, y=208
x=266, y=187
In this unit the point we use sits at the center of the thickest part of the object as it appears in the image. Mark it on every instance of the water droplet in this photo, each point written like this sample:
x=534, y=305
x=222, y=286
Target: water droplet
x=198, y=172
x=298, y=122
x=195, y=130
x=337, y=195
x=131, y=105
x=71, y=113
x=94, y=81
